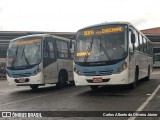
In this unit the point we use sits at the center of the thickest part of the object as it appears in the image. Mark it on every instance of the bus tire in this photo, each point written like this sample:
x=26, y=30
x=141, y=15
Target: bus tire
x=134, y=84
x=62, y=80
x=34, y=87
x=149, y=73
x=94, y=87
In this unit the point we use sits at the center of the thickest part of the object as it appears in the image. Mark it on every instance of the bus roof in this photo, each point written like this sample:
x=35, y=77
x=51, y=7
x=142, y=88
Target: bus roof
x=118, y=22
x=40, y=35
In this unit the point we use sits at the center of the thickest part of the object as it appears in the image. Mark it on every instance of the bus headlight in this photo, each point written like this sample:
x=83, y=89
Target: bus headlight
x=122, y=67
x=77, y=71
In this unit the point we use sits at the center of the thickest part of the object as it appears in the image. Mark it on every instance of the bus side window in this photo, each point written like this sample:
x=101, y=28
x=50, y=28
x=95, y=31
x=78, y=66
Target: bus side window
x=151, y=49
x=148, y=47
x=136, y=41
x=51, y=50
x=144, y=45
x=49, y=55
x=141, y=43
x=45, y=50
x=134, y=46
x=62, y=47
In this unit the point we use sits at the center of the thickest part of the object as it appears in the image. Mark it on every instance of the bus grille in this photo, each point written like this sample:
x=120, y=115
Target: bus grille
x=21, y=75
x=98, y=73
x=91, y=73
x=109, y=72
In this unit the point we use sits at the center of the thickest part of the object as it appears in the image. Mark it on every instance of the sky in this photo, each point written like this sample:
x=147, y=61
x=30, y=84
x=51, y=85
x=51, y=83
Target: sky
x=71, y=15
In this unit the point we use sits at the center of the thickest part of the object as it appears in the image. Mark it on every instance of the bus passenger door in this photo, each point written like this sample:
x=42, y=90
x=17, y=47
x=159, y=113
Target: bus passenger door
x=49, y=61
x=64, y=61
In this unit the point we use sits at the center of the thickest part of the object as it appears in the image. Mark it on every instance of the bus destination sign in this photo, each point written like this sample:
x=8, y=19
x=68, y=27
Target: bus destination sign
x=103, y=31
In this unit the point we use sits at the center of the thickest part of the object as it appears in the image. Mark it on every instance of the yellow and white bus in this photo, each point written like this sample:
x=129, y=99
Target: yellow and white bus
x=40, y=59
x=114, y=53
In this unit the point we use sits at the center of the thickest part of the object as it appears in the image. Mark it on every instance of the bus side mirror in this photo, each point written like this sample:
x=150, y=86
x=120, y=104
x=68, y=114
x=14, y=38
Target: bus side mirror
x=133, y=38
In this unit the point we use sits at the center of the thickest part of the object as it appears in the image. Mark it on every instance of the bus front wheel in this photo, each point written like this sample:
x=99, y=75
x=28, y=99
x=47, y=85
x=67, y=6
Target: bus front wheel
x=134, y=84
x=34, y=87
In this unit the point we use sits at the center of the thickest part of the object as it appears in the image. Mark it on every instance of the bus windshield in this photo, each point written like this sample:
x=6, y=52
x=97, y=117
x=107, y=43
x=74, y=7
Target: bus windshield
x=103, y=44
x=24, y=53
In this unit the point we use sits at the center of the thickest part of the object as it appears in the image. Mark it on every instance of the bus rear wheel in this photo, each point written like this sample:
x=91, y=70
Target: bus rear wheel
x=62, y=80
x=149, y=73
x=94, y=87
x=34, y=87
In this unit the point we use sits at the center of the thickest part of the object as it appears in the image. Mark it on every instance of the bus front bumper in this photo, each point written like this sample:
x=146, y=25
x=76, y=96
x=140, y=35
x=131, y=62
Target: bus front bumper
x=24, y=81
x=114, y=79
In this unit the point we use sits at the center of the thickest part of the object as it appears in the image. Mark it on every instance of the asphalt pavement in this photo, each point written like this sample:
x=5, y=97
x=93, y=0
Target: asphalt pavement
x=146, y=97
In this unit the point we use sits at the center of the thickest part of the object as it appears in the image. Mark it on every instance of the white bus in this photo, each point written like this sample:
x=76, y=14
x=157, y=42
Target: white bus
x=40, y=59
x=3, y=52
x=157, y=60
x=113, y=53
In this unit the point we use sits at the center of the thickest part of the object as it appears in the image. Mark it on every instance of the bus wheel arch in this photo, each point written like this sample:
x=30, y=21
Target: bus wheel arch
x=62, y=78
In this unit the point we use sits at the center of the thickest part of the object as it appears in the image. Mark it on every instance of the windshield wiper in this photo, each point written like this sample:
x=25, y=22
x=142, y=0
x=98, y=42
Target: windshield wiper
x=14, y=57
x=23, y=54
x=88, y=50
x=105, y=51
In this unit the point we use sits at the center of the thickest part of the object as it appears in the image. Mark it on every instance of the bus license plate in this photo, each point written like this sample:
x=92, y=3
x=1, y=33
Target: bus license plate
x=97, y=79
x=21, y=80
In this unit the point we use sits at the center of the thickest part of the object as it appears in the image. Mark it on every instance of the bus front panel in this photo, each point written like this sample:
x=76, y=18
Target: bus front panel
x=100, y=52
x=24, y=61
